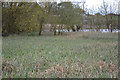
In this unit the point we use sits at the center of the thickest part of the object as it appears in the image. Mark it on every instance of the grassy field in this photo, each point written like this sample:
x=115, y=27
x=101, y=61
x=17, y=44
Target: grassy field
x=77, y=55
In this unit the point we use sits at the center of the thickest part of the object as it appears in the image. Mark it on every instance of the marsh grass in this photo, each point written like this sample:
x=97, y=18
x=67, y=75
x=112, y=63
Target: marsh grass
x=77, y=55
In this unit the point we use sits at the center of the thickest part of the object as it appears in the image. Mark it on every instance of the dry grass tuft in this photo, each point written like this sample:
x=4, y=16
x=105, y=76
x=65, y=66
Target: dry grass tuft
x=8, y=67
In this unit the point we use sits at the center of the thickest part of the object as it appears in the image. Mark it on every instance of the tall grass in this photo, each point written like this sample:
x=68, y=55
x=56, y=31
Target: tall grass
x=78, y=55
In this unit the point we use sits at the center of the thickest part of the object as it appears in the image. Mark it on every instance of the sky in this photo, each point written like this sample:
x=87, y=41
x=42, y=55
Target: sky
x=94, y=3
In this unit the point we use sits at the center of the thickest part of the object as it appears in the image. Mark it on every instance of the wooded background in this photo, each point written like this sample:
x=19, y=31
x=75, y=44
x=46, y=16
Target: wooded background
x=19, y=17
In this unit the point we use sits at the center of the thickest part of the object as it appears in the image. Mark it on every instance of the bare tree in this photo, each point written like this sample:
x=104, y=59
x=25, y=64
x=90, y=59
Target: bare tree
x=104, y=10
x=109, y=10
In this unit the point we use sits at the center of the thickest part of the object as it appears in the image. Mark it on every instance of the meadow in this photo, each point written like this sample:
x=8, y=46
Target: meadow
x=72, y=55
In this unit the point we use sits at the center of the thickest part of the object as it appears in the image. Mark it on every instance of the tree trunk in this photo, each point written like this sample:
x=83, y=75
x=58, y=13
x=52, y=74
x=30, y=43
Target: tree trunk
x=111, y=29
x=40, y=30
x=61, y=29
x=73, y=29
x=59, y=32
x=54, y=30
x=107, y=22
x=111, y=24
x=68, y=28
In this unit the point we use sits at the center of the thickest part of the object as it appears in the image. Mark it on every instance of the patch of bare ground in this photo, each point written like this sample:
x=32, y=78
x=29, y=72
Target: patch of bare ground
x=74, y=35
x=8, y=67
x=86, y=69
x=53, y=70
x=90, y=69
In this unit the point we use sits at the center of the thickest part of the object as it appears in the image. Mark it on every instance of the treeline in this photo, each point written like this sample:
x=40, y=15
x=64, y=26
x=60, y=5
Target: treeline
x=99, y=21
x=19, y=17
x=27, y=17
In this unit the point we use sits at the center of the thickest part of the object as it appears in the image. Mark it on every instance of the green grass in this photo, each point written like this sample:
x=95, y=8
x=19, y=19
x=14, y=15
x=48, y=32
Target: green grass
x=78, y=55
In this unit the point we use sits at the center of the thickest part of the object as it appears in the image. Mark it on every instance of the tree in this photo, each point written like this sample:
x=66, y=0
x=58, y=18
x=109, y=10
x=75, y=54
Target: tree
x=78, y=17
x=70, y=15
x=23, y=17
x=65, y=14
x=9, y=17
x=104, y=10
x=109, y=11
x=99, y=21
x=17, y=17
x=52, y=16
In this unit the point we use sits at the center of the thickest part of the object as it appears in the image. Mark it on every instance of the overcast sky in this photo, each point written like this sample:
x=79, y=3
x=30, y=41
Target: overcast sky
x=91, y=5
x=94, y=4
